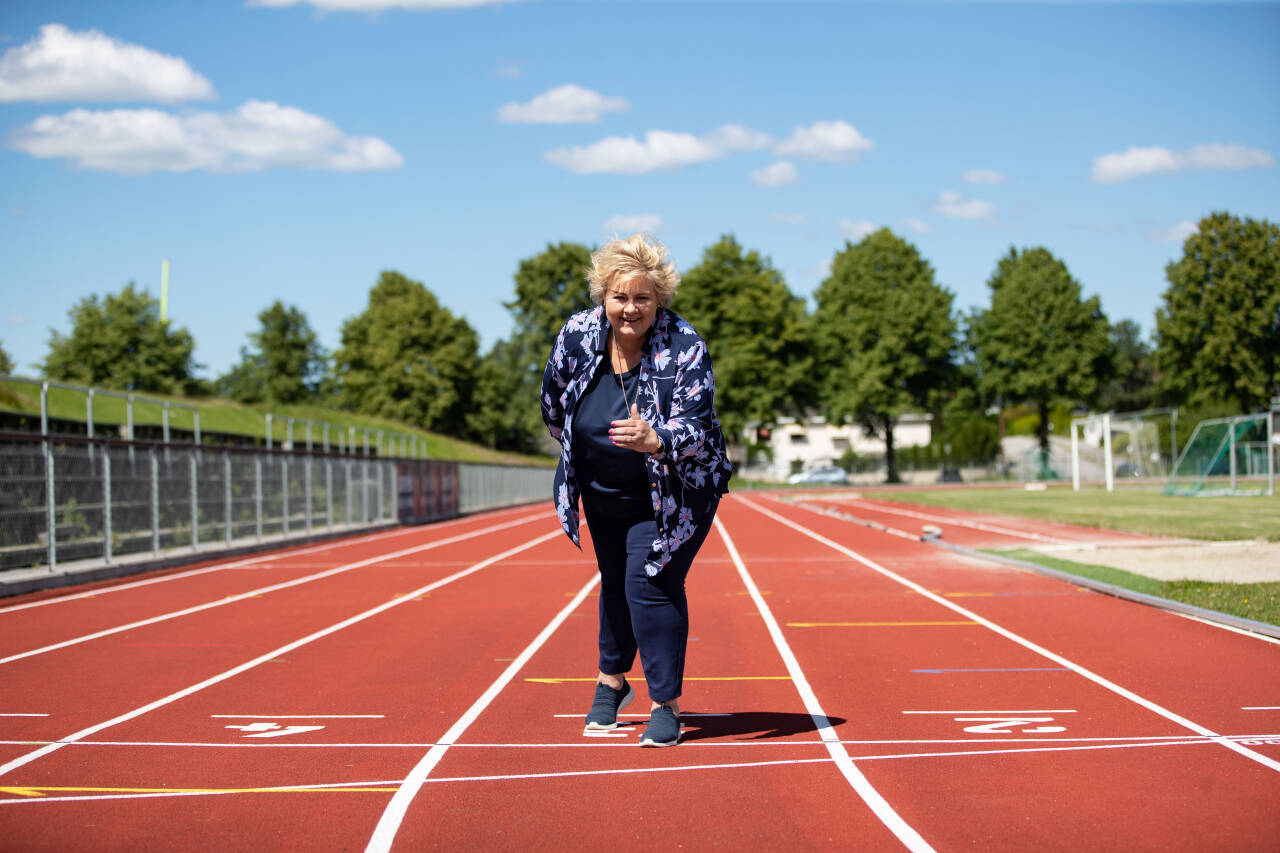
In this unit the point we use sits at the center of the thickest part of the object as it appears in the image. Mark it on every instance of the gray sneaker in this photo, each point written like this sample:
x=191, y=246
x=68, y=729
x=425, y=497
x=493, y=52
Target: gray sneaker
x=664, y=728
x=608, y=703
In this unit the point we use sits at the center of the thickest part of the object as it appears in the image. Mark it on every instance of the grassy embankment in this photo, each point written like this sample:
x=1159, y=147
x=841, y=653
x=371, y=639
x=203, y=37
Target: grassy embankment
x=1136, y=510
x=228, y=416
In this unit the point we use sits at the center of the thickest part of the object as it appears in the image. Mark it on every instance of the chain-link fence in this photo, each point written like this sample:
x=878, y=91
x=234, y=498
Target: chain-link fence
x=70, y=499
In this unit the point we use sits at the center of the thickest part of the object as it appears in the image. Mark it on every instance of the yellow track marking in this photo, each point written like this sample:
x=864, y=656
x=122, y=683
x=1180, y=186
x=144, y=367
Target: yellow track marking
x=969, y=594
x=686, y=678
x=869, y=624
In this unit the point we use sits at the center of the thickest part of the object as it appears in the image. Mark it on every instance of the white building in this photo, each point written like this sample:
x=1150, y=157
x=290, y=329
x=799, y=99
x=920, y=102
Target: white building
x=816, y=443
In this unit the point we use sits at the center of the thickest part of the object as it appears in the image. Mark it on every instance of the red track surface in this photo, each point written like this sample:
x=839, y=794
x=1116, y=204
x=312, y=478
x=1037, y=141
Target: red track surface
x=424, y=689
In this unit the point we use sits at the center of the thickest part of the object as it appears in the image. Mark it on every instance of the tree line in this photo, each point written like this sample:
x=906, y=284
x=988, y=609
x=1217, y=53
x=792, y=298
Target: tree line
x=884, y=338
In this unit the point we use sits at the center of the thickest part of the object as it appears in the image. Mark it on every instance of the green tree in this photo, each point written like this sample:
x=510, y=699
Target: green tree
x=1040, y=340
x=1218, y=329
x=1132, y=384
x=757, y=332
x=885, y=335
x=283, y=364
x=407, y=357
x=121, y=342
x=549, y=287
x=6, y=363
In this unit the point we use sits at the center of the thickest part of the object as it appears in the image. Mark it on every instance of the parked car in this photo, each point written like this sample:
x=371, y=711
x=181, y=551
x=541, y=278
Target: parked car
x=829, y=474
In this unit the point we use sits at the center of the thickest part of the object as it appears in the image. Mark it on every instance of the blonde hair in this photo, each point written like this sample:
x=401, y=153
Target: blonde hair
x=627, y=258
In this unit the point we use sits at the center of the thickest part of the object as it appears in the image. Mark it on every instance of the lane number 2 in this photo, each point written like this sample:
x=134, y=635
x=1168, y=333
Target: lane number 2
x=1006, y=725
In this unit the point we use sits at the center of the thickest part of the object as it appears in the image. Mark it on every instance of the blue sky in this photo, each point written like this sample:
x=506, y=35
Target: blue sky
x=293, y=150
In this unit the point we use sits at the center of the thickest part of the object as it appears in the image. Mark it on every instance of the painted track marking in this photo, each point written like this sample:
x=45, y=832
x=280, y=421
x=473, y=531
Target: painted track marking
x=337, y=542
x=878, y=805
x=384, y=833
x=1022, y=641
x=261, y=659
x=34, y=795
x=254, y=593
x=976, y=525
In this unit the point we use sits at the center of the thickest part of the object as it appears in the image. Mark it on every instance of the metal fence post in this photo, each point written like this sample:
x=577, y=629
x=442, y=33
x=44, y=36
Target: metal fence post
x=328, y=488
x=226, y=478
x=306, y=486
x=380, y=467
x=195, y=501
x=155, y=502
x=51, y=512
x=348, y=489
x=257, y=495
x=106, y=503
x=364, y=489
x=284, y=494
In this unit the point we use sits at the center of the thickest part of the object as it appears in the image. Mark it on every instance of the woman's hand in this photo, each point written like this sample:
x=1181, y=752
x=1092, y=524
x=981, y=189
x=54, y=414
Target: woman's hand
x=634, y=433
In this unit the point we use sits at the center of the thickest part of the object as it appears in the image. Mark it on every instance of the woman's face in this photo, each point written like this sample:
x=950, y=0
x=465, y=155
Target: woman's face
x=630, y=307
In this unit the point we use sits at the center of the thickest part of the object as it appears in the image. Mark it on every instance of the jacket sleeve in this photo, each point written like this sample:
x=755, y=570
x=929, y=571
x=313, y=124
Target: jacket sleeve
x=692, y=415
x=555, y=381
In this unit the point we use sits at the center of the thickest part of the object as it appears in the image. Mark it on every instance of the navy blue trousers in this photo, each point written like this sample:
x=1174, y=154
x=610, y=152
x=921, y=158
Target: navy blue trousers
x=637, y=612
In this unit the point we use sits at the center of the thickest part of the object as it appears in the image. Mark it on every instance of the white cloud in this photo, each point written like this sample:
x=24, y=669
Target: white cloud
x=649, y=223
x=1136, y=162
x=380, y=5
x=510, y=70
x=257, y=136
x=563, y=105
x=1177, y=234
x=17, y=319
x=61, y=65
x=855, y=231
x=984, y=176
x=661, y=149
x=958, y=207
x=789, y=218
x=775, y=174
x=918, y=226
x=826, y=140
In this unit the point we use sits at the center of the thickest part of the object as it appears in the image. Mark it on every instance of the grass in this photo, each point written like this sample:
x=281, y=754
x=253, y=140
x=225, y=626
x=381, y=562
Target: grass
x=1257, y=601
x=228, y=416
x=1133, y=509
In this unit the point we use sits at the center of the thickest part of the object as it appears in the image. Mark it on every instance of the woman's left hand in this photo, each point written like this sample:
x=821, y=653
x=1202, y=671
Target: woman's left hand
x=634, y=433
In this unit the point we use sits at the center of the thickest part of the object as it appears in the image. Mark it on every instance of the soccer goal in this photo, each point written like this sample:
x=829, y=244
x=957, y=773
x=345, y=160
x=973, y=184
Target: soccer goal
x=1228, y=456
x=1123, y=444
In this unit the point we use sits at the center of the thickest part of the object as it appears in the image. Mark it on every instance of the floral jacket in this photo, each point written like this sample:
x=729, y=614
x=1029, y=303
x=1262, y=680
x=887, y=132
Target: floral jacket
x=676, y=397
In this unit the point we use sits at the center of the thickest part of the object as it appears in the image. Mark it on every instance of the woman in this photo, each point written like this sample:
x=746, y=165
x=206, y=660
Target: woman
x=628, y=392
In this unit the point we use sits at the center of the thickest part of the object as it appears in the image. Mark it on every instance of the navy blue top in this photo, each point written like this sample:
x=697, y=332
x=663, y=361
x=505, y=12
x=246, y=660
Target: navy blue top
x=611, y=477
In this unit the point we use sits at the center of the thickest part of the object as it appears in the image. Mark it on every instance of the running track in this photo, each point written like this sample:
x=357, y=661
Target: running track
x=848, y=687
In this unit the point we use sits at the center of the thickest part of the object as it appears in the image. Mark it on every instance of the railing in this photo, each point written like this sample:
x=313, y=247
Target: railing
x=72, y=498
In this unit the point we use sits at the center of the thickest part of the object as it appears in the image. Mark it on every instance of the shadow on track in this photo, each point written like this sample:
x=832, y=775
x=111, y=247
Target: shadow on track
x=750, y=725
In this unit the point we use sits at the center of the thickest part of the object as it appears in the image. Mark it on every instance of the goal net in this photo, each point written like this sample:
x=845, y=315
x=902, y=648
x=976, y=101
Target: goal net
x=1227, y=456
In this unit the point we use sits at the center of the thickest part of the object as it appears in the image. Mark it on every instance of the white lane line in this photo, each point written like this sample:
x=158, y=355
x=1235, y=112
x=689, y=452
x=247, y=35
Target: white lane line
x=976, y=525
x=363, y=787
x=692, y=744
x=1261, y=708
x=1049, y=711
x=1022, y=641
x=1231, y=628
x=285, y=554
x=253, y=593
x=272, y=655
x=384, y=834
x=297, y=716
x=890, y=818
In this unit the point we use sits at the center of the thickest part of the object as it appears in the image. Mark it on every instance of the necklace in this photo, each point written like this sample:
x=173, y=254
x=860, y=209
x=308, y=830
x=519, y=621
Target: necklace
x=618, y=377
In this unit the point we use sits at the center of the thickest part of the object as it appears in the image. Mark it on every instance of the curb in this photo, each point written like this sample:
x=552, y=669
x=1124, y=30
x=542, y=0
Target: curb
x=1227, y=619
